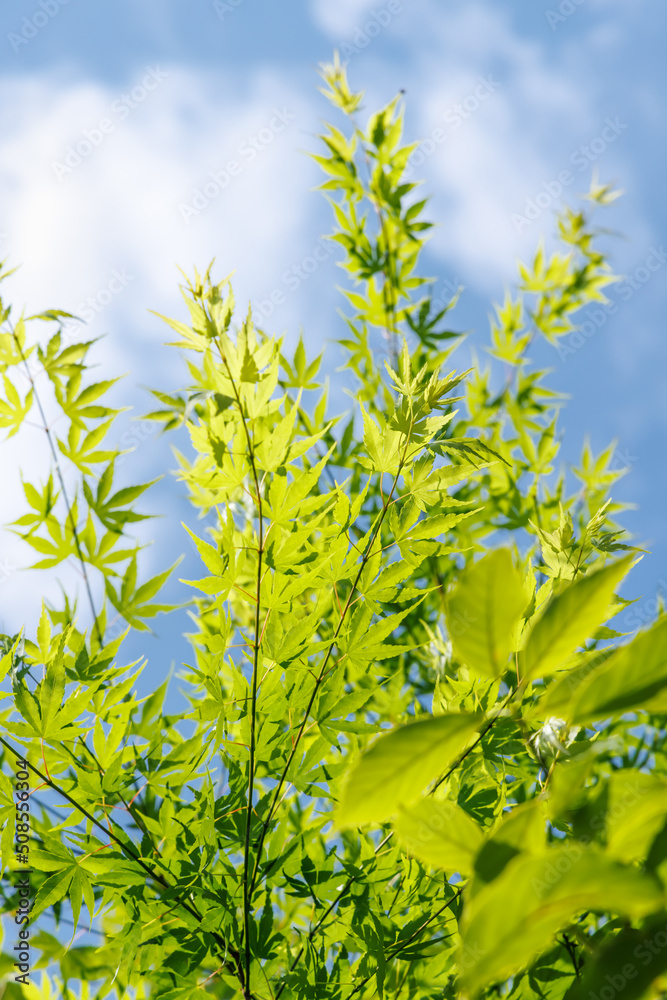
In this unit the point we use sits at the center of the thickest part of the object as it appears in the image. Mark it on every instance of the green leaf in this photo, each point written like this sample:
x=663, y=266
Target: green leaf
x=510, y=921
x=560, y=695
x=474, y=451
x=400, y=765
x=52, y=689
x=627, y=965
x=636, y=813
x=53, y=889
x=440, y=834
x=633, y=677
x=6, y=662
x=483, y=613
x=44, y=636
x=571, y=618
x=523, y=829
x=13, y=411
x=382, y=446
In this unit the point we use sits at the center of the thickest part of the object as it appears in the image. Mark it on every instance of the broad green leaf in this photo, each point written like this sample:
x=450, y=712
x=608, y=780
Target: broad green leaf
x=474, y=451
x=7, y=660
x=514, y=918
x=484, y=611
x=571, y=618
x=636, y=813
x=52, y=689
x=382, y=446
x=44, y=636
x=520, y=831
x=633, y=677
x=53, y=889
x=567, y=788
x=400, y=765
x=559, y=697
x=626, y=966
x=441, y=834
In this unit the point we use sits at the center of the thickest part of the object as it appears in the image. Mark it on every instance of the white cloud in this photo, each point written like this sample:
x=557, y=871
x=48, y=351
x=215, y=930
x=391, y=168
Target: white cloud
x=121, y=207
x=340, y=18
x=105, y=237
x=506, y=120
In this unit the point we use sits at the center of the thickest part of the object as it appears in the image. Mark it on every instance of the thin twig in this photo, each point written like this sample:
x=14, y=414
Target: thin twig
x=332, y=906
x=248, y=881
x=404, y=944
x=59, y=473
x=323, y=668
x=448, y=773
x=156, y=876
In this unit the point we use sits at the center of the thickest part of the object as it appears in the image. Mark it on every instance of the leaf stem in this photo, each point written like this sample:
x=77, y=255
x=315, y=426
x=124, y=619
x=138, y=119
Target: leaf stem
x=491, y=723
x=248, y=880
x=404, y=944
x=131, y=853
x=59, y=473
x=332, y=906
x=322, y=672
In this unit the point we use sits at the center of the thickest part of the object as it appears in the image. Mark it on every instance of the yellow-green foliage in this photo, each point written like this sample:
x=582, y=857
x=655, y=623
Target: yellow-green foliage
x=411, y=759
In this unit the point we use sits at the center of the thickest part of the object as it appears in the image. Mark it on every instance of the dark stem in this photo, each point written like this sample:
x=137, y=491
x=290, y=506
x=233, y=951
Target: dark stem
x=571, y=949
x=248, y=881
x=448, y=773
x=129, y=851
x=332, y=906
x=323, y=668
x=404, y=944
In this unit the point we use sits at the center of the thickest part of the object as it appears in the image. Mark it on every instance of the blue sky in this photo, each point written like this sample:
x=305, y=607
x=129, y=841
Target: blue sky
x=511, y=95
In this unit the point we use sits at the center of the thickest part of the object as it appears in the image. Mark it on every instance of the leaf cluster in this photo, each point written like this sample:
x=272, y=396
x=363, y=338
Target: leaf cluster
x=411, y=756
